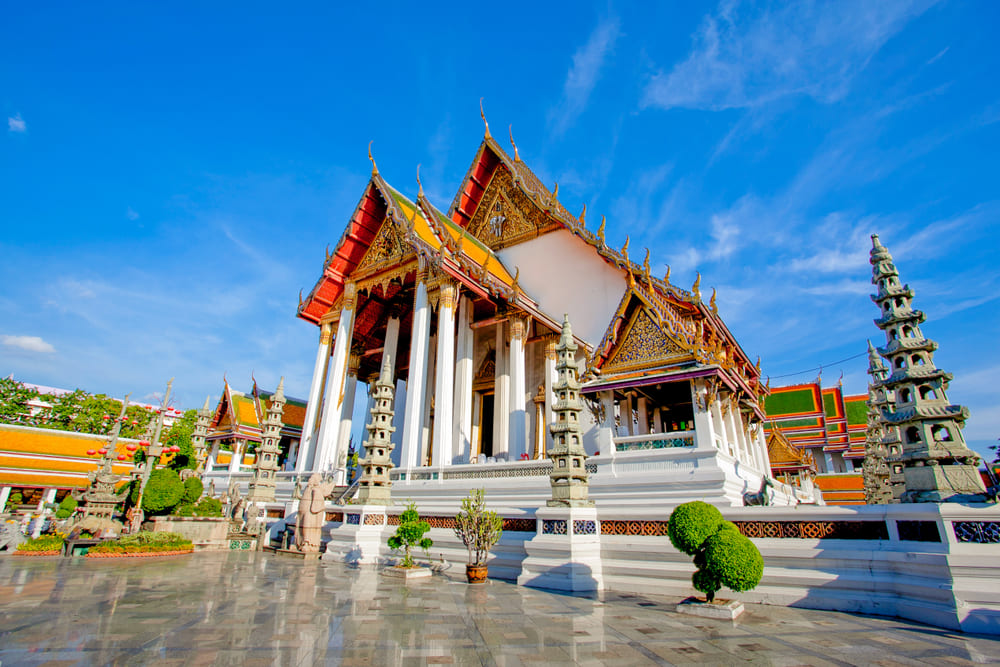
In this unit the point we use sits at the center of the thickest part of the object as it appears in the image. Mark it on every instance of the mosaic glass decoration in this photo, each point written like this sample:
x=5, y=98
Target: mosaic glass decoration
x=553, y=526
x=979, y=532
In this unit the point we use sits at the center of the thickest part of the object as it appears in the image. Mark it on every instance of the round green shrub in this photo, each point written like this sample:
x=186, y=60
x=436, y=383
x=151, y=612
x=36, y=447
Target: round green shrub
x=691, y=524
x=67, y=507
x=193, y=489
x=208, y=507
x=163, y=491
x=734, y=560
x=409, y=534
x=706, y=582
x=15, y=499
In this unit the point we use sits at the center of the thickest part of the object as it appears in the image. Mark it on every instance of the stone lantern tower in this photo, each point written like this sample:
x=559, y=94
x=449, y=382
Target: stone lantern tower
x=266, y=467
x=937, y=466
x=375, y=488
x=200, y=434
x=569, y=471
x=875, y=469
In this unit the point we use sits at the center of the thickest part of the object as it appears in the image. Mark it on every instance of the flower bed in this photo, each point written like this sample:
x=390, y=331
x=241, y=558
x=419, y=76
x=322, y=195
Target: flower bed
x=142, y=544
x=43, y=545
x=137, y=554
x=36, y=553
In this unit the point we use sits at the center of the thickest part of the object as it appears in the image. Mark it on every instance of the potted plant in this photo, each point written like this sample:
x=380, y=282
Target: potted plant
x=409, y=534
x=479, y=529
x=723, y=556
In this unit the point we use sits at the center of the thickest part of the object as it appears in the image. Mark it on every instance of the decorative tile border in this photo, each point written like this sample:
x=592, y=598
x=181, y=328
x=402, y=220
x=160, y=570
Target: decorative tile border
x=553, y=526
x=519, y=525
x=816, y=530
x=651, y=528
x=978, y=532
x=659, y=443
x=374, y=519
x=334, y=516
x=584, y=527
x=353, y=519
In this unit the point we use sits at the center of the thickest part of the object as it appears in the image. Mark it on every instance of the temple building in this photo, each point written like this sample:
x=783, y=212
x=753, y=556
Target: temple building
x=464, y=309
x=237, y=425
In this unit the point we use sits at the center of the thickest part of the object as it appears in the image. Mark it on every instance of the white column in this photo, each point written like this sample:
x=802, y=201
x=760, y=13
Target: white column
x=391, y=343
x=238, y=448
x=657, y=420
x=315, y=397
x=444, y=383
x=551, y=376
x=213, y=458
x=704, y=429
x=398, y=409
x=293, y=455
x=329, y=428
x=416, y=380
x=605, y=437
x=732, y=429
x=464, y=370
x=626, y=417
x=501, y=396
x=518, y=417
x=643, y=409
x=4, y=496
x=339, y=459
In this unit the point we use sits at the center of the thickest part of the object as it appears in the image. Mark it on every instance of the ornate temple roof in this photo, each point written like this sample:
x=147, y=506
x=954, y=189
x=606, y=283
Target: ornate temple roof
x=239, y=415
x=786, y=457
x=48, y=457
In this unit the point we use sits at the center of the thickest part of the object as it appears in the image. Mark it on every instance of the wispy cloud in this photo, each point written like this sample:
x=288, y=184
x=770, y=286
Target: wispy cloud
x=747, y=56
x=583, y=75
x=28, y=344
x=131, y=214
x=16, y=124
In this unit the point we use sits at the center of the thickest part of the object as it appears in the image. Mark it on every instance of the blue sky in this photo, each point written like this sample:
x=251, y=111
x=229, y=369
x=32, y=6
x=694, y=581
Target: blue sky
x=171, y=178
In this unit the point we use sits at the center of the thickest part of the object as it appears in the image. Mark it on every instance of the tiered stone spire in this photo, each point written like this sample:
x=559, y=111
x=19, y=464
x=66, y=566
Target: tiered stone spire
x=937, y=466
x=875, y=469
x=200, y=434
x=375, y=488
x=569, y=471
x=99, y=499
x=266, y=466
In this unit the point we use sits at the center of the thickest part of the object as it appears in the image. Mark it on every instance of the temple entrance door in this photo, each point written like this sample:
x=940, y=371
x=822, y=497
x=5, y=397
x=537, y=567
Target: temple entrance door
x=486, y=423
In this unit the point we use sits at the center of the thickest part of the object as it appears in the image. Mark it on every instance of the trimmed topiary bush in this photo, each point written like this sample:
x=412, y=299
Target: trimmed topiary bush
x=723, y=555
x=162, y=493
x=193, y=488
x=14, y=500
x=66, y=507
x=42, y=543
x=208, y=507
x=691, y=524
x=410, y=533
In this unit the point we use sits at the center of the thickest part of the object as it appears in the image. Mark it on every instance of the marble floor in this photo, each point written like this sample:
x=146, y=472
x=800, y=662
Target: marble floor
x=261, y=609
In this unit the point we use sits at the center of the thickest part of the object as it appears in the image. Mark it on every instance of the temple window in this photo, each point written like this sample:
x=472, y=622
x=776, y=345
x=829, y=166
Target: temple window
x=893, y=335
x=907, y=332
x=900, y=362
x=899, y=302
x=928, y=393
x=912, y=435
x=917, y=360
x=904, y=395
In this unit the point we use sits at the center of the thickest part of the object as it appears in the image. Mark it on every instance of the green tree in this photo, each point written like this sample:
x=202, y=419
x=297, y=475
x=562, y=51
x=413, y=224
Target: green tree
x=180, y=435
x=14, y=398
x=163, y=492
x=66, y=507
x=410, y=533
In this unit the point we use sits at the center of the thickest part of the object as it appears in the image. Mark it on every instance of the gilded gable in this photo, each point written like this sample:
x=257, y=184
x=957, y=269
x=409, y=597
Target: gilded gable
x=642, y=345
x=505, y=215
x=387, y=247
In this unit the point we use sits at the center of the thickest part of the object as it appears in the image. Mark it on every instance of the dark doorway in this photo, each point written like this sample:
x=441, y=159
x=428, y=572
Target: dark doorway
x=486, y=424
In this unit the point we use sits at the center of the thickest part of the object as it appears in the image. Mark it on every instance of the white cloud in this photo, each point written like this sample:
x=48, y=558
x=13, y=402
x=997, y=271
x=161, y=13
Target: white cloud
x=746, y=56
x=16, y=124
x=584, y=74
x=131, y=214
x=28, y=343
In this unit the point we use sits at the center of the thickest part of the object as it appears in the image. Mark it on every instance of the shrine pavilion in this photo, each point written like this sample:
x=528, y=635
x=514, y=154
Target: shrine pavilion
x=464, y=310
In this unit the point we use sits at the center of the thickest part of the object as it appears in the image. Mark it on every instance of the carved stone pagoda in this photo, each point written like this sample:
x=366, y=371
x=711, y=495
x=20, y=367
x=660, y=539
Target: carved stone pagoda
x=99, y=500
x=266, y=465
x=936, y=464
x=875, y=469
x=200, y=434
x=375, y=488
x=569, y=471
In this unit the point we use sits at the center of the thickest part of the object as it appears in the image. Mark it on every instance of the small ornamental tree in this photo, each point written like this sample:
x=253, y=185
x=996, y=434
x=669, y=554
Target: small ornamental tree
x=723, y=556
x=66, y=507
x=14, y=500
x=410, y=533
x=163, y=492
x=478, y=528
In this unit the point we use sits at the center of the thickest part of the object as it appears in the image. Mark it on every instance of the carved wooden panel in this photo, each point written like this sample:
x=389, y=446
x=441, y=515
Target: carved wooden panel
x=387, y=247
x=505, y=215
x=642, y=345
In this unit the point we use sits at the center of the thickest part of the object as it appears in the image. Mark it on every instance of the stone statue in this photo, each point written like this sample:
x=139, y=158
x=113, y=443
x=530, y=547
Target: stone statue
x=297, y=491
x=10, y=536
x=133, y=519
x=312, y=514
x=763, y=497
x=211, y=488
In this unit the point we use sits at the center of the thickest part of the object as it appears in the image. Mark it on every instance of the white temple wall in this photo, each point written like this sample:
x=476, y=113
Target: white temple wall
x=565, y=275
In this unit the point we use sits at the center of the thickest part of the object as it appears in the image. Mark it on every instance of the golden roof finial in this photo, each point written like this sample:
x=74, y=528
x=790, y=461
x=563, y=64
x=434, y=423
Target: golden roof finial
x=300, y=299
x=645, y=266
x=374, y=166
x=583, y=215
x=757, y=365
x=600, y=231
x=695, y=288
x=666, y=276
x=555, y=191
x=327, y=261
x=461, y=242
x=483, y=115
x=625, y=248
x=510, y=130
x=711, y=302
x=517, y=278
x=486, y=266
x=420, y=186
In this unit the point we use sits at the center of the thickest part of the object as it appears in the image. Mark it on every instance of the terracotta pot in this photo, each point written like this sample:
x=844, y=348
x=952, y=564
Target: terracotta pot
x=476, y=574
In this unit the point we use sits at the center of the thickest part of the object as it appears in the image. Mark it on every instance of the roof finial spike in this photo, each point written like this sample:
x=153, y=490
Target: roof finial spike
x=300, y=299
x=510, y=130
x=600, y=230
x=374, y=166
x=420, y=186
x=666, y=276
x=517, y=279
x=583, y=215
x=482, y=114
x=207, y=400
x=645, y=265
x=711, y=302
x=697, y=284
x=279, y=393
x=625, y=251
x=555, y=191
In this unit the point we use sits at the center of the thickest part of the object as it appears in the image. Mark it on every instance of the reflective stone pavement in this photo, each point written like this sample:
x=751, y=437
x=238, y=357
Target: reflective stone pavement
x=259, y=609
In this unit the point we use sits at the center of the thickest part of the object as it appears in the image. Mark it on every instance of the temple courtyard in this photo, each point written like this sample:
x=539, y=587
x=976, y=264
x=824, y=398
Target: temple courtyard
x=260, y=609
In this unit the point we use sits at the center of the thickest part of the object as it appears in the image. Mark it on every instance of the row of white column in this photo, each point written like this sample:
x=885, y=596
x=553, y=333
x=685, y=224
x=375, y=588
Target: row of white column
x=325, y=436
